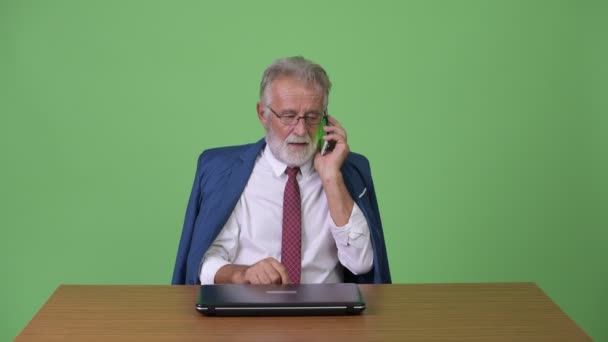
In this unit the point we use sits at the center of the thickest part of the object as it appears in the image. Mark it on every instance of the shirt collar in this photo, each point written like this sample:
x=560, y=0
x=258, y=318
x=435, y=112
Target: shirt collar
x=278, y=167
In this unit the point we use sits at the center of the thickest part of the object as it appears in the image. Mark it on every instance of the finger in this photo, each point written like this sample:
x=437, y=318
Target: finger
x=335, y=137
x=282, y=270
x=263, y=277
x=273, y=275
x=332, y=121
x=271, y=272
x=251, y=276
x=267, y=274
x=335, y=130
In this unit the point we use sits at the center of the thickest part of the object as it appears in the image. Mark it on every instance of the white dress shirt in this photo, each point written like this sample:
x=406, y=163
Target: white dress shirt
x=253, y=231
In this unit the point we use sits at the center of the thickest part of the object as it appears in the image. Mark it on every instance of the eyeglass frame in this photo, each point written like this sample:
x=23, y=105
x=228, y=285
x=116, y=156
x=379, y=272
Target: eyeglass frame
x=297, y=118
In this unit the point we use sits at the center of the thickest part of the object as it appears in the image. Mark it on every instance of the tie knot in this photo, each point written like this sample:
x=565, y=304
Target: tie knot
x=292, y=171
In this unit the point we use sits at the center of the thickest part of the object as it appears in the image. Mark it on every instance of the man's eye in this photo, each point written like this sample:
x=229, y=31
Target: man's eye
x=288, y=116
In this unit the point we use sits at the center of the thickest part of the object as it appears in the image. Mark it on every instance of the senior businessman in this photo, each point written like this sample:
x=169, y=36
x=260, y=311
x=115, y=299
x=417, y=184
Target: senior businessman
x=285, y=209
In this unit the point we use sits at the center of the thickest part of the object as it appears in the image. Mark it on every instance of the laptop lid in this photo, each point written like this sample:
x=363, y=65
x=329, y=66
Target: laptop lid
x=279, y=300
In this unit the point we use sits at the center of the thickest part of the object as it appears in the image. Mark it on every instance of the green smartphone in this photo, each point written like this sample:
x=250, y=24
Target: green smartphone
x=324, y=146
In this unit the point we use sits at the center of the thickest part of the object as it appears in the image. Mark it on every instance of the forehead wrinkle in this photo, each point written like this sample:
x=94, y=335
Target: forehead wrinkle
x=298, y=93
x=287, y=89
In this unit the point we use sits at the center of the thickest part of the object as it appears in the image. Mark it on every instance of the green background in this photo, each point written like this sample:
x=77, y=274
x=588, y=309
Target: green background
x=485, y=122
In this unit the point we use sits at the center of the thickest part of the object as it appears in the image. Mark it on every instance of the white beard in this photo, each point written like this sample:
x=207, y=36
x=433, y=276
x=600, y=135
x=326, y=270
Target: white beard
x=280, y=149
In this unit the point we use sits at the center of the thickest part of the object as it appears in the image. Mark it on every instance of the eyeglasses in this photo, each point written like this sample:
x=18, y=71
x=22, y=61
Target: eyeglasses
x=311, y=119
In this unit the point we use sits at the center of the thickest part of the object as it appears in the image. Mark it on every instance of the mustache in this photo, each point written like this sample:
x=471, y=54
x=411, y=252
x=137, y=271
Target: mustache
x=298, y=140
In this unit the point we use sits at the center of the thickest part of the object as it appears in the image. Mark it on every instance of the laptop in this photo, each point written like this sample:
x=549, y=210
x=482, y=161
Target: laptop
x=280, y=300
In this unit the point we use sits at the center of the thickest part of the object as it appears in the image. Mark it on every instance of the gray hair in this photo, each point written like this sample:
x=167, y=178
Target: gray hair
x=299, y=68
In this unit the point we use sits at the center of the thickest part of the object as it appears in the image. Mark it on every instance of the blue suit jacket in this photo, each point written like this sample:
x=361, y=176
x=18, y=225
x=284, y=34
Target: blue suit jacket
x=221, y=176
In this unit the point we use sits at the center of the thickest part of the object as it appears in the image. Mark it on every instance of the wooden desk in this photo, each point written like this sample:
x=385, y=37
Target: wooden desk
x=436, y=312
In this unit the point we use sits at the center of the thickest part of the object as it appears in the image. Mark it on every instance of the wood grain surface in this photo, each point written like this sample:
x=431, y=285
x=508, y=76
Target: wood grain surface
x=398, y=312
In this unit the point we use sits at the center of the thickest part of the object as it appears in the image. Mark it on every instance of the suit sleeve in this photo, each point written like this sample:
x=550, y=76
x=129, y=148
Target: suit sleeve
x=179, y=271
x=361, y=187
x=382, y=273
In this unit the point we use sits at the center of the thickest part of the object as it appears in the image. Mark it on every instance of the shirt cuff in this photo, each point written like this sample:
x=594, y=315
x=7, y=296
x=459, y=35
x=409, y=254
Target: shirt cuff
x=209, y=267
x=353, y=233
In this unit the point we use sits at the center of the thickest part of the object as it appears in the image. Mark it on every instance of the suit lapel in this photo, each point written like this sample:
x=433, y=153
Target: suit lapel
x=236, y=179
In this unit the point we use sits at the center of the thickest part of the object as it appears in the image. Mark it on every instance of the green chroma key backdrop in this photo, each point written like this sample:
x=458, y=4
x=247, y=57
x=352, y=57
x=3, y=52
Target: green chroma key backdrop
x=485, y=122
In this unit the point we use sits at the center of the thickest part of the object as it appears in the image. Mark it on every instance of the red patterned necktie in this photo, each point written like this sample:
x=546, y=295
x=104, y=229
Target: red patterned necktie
x=291, y=240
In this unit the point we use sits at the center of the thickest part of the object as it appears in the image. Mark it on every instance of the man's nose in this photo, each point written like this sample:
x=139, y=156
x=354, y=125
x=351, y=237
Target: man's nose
x=300, y=126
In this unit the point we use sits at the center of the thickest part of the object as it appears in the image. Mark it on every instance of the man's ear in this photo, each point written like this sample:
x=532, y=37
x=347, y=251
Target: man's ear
x=261, y=116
